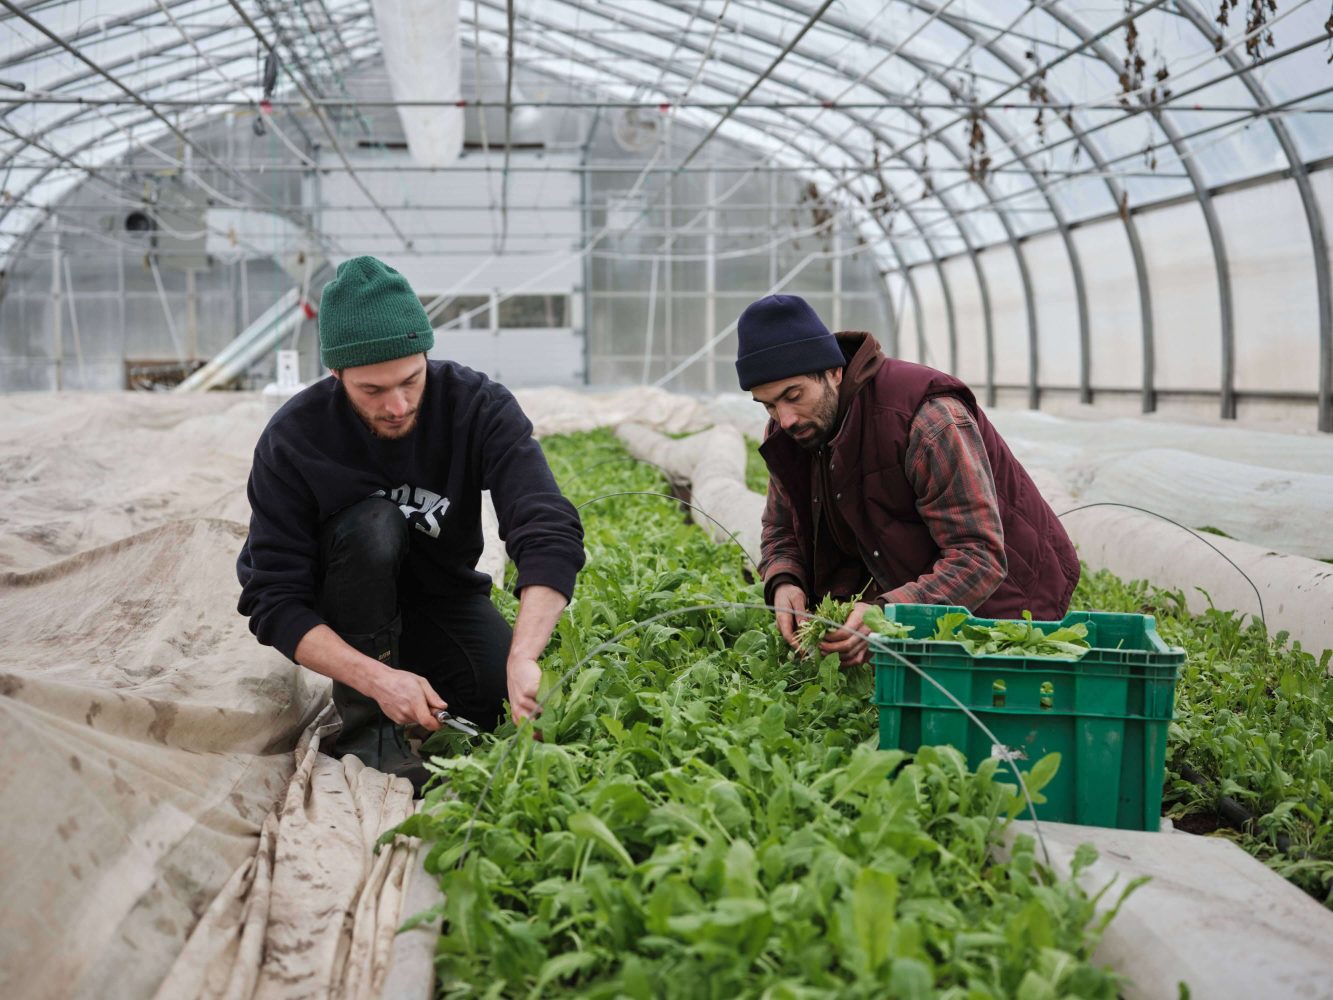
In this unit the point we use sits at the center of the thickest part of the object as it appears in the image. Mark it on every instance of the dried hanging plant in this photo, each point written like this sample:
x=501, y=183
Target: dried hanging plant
x=1131, y=72
x=1133, y=80
x=1258, y=14
x=1037, y=92
x=1161, y=92
x=881, y=201
x=821, y=213
x=978, y=160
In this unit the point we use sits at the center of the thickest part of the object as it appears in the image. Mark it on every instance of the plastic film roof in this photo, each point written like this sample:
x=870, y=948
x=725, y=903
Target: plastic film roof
x=938, y=127
x=989, y=121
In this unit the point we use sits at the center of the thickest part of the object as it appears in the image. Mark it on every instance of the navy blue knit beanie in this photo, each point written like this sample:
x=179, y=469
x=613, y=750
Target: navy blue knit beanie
x=780, y=336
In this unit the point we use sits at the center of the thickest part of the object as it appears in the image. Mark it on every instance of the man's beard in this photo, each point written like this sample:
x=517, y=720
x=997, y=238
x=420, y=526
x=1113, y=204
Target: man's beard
x=384, y=431
x=819, y=428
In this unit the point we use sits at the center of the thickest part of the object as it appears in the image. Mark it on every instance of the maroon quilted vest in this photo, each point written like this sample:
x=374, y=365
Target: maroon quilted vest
x=870, y=489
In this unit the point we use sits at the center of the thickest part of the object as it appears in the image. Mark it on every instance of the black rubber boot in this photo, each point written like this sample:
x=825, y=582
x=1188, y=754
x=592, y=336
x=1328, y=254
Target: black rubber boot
x=367, y=733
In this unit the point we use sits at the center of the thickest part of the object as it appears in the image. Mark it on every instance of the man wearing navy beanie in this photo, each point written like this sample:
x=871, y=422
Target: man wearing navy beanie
x=365, y=529
x=888, y=483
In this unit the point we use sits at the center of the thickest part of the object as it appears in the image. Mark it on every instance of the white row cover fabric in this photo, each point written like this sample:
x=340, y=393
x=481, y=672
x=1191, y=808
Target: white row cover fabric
x=1267, y=487
x=170, y=828
x=1297, y=592
x=290, y=922
x=1211, y=918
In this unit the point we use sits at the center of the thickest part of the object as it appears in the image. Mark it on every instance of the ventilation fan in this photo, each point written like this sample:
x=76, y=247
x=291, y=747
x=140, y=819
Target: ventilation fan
x=636, y=130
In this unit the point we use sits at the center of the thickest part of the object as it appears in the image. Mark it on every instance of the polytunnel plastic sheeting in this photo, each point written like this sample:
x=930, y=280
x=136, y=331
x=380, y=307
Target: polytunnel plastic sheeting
x=168, y=820
x=864, y=100
x=1115, y=317
x=1059, y=352
x=1186, y=312
x=1009, y=311
x=970, y=313
x=1273, y=283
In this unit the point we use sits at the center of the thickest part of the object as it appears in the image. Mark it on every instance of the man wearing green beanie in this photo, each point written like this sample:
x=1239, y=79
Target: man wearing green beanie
x=365, y=529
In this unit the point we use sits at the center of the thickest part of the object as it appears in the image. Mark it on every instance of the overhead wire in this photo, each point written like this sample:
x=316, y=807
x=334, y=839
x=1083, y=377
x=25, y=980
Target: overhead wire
x=1144, y=510
x=509, y=120
x=200, y=150
x=328, y=131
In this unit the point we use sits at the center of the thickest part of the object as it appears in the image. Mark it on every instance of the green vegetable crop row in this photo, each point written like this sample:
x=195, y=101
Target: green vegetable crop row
x=706, y=817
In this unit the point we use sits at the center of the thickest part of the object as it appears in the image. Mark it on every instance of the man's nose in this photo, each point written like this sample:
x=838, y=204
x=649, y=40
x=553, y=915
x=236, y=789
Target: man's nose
x=397, y=404
x=788, y=418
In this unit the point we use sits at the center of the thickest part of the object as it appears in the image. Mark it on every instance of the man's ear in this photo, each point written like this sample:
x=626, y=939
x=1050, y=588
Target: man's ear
x=336, y=373
x=835, y=376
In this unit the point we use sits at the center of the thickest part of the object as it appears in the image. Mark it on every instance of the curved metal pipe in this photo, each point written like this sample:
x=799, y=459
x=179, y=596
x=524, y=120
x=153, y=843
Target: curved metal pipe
x=1205, y=200
x=1313, y=217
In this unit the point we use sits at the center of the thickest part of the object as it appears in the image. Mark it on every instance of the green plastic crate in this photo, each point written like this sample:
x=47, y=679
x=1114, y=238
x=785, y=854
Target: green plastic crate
x=1106, y=713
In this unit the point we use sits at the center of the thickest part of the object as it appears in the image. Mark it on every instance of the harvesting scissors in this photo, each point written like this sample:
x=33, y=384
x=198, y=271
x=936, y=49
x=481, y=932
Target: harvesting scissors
x=445, y=718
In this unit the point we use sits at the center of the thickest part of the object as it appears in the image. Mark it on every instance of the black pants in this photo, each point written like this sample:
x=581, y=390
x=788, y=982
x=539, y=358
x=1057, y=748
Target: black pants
x=458, y=643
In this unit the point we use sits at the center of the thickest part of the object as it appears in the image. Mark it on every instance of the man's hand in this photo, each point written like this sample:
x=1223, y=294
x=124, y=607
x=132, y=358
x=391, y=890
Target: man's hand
x=524, y=676
x=406, y=698
x=788, y=599
x=851, y=648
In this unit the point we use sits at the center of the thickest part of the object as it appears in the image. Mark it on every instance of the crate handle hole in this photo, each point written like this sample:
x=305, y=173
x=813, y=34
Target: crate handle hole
x=997, y=692
x=1047, y=699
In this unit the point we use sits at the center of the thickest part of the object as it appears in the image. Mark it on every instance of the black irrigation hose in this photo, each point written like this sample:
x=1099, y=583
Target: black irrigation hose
x=1243, y=820
x=1227, y=807
x=1145, y=510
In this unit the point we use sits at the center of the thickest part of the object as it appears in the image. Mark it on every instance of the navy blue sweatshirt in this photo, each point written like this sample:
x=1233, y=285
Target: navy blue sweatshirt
x=316, y=457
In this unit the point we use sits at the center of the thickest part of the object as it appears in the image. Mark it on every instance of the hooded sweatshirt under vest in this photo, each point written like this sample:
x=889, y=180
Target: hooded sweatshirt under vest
x=317, y=456
x=868, y=507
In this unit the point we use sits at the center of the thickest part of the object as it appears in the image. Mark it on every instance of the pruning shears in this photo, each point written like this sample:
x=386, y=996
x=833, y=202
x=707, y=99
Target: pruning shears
x=446, y=718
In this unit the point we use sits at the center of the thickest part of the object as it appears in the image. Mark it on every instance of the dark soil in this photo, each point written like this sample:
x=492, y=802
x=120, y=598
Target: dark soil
x=1199, y=823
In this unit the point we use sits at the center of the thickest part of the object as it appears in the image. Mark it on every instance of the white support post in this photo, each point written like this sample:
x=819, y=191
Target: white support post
x=191, y=317
x=837, y=277
x=710, y=286
x=668, y=340
x=57, y=312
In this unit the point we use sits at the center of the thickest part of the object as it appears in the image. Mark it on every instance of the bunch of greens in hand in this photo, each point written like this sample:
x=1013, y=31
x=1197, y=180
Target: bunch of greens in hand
x=810, y=633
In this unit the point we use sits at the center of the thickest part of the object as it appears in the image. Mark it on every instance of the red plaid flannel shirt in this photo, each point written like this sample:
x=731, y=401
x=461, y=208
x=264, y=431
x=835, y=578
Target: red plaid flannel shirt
x=946, y=464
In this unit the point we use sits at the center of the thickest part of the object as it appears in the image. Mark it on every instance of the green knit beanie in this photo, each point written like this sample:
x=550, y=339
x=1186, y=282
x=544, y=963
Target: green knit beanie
x=368, y=314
